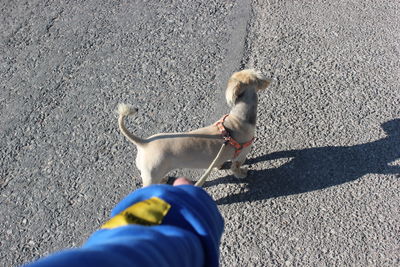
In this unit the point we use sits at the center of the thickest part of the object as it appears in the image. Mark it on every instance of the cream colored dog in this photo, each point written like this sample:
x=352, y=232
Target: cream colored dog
x=161, y=153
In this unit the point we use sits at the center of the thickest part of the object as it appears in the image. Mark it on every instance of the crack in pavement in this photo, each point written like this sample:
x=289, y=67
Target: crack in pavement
x=235, y=47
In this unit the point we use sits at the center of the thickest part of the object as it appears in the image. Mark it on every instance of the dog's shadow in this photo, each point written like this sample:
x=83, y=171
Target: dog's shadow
x=317, y=168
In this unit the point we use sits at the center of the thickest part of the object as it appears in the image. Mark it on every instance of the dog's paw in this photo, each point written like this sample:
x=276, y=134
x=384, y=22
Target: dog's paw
x=226, y=165
x=165, y=180
x=241, y=172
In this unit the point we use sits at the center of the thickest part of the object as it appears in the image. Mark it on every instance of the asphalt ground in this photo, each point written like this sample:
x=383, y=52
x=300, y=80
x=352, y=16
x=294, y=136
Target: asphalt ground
x=323, y=187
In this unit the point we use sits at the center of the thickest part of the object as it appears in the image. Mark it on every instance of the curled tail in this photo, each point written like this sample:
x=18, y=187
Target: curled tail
x=123, y=111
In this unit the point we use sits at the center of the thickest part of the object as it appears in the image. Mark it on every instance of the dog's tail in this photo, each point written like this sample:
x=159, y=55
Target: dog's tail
x=123, y=111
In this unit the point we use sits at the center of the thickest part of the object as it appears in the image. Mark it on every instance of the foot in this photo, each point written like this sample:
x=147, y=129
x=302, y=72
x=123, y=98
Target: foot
x=240, y=173
x=164, y=180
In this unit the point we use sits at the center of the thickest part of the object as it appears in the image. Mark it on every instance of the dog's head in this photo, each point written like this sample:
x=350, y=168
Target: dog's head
x=244, y=83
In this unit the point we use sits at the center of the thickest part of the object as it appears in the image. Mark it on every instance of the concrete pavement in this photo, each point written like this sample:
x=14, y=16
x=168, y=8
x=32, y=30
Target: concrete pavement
x=324, y=187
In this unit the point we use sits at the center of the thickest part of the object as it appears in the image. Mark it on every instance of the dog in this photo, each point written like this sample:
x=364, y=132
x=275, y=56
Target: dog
x=161, y=153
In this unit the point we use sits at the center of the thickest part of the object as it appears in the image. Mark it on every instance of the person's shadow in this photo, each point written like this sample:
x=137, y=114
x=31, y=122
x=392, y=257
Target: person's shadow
x=317, y=168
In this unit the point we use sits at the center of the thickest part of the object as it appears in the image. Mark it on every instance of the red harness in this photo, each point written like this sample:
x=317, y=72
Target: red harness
x=228, y=138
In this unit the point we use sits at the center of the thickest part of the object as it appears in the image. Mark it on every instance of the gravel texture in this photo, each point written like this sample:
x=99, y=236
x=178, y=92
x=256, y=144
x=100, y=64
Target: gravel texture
x=323, y=187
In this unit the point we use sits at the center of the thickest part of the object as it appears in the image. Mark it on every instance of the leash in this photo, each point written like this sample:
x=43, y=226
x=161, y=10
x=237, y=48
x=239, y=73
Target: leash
x=203, y=178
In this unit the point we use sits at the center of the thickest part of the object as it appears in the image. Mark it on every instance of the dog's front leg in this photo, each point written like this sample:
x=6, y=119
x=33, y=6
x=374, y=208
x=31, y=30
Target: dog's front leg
x=236, y=167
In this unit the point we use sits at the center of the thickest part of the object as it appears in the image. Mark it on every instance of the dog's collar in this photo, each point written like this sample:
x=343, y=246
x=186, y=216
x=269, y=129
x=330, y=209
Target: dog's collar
x=229, y=139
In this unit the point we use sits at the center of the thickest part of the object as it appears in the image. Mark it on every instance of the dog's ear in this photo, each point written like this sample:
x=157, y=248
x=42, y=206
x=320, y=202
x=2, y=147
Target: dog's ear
x=233, y=90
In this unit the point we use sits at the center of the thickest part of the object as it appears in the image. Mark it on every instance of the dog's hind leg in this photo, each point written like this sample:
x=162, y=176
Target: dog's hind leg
x=150, y=177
